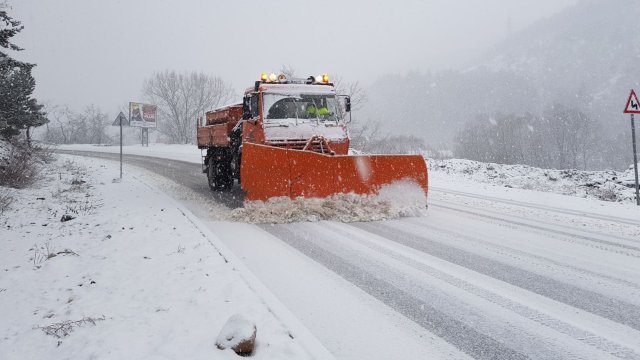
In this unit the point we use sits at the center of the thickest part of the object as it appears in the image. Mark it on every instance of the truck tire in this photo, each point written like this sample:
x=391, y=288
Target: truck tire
x=219, y=175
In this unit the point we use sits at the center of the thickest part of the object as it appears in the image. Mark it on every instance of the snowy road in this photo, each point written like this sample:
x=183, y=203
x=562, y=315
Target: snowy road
x=478, y=277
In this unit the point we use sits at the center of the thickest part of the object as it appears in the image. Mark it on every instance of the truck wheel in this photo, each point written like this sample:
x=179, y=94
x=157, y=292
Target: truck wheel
x=219, y=175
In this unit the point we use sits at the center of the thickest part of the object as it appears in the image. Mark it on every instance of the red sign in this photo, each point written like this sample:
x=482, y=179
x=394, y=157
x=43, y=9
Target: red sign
x=149, y=113
x=633, y=105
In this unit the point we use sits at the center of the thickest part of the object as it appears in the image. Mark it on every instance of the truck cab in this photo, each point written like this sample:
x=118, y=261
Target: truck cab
x=288, y=113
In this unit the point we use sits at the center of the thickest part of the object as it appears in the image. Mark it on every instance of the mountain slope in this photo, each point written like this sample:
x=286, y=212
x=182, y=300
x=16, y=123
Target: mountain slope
x=585, y=57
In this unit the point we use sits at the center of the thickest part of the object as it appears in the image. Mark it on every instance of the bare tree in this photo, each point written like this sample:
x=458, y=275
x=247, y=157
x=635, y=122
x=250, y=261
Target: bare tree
x=562, y=138
x=97, y=124
x=355, y=91
x=68, y=127
x=57, y=130
x=181, y=98
x=364, y=134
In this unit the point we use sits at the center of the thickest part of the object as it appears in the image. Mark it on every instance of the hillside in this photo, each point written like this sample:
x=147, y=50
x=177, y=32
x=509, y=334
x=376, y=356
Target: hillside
x=585, y=56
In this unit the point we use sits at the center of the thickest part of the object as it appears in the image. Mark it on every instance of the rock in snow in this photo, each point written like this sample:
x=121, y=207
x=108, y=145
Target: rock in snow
x=238, y=334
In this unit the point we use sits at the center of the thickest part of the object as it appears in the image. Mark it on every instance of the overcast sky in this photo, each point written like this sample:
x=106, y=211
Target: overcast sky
x=99, y=51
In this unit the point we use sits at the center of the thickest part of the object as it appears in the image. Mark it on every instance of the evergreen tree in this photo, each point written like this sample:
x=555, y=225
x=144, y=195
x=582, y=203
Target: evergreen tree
x=18, y=110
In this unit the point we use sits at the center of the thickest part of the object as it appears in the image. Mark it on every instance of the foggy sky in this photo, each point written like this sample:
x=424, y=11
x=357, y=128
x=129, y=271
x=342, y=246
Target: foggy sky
x=99, y=52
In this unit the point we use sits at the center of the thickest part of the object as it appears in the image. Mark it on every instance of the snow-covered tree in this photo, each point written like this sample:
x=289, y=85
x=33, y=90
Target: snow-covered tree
x=18, y=109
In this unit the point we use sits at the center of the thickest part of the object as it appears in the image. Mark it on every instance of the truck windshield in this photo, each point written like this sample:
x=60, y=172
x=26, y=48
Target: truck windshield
x=322, y=107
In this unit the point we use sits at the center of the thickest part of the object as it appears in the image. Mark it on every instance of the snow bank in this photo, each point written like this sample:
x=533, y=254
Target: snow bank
x=617, y=186
x=400, y=199
x=131, y=270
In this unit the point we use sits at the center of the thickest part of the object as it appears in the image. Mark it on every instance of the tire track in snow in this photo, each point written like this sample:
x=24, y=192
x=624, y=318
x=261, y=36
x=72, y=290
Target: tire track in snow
x=540, y=207
x=590, y=301
x=543, y=263
x=459, y=281
x=610, y=246
x=553, y=220
x=474, y=343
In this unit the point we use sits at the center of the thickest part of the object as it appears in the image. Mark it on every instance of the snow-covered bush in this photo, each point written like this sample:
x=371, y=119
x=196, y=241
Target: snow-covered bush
x=5, y=201
x=20, y=166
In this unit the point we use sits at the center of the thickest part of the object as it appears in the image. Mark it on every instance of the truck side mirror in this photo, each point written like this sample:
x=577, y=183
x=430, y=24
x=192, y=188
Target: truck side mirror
x=347, y=104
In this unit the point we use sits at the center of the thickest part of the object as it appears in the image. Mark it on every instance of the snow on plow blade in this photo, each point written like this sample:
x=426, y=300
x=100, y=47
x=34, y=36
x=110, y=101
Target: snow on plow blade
x=269, y=171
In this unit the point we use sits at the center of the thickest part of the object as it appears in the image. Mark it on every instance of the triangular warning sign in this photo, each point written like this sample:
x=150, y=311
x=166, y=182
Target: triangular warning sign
x=121, y=119
x=633, y=105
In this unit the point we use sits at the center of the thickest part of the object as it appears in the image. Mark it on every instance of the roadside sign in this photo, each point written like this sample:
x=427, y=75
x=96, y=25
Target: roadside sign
x=633, y=105
x=121, y=120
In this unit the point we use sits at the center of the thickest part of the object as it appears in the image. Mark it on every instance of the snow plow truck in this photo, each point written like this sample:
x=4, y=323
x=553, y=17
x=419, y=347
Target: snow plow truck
x=289, y=138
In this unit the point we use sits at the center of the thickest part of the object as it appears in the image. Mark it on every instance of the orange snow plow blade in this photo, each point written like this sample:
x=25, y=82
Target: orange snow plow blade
x=269, y=171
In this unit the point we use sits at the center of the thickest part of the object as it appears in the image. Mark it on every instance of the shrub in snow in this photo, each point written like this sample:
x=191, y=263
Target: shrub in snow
x=19, y=167
x=238, y=334
x=63, y=329
x=5, y=201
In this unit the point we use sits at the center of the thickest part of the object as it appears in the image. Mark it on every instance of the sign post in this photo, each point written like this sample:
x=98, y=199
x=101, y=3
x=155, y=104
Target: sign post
x=633, y=107
x=121, y=120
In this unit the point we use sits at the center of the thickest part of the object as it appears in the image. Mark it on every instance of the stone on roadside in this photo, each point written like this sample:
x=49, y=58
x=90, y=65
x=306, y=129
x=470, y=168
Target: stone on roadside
x=238, y=334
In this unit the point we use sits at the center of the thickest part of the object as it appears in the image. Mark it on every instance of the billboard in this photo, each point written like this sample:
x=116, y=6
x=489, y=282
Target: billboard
x=142, y=115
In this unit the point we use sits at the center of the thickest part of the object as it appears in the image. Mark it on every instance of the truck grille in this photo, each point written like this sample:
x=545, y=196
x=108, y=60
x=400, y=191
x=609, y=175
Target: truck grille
x=299, y=144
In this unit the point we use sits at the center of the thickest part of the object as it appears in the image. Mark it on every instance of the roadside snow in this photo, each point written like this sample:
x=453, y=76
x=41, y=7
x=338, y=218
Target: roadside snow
x=133, y=276
x=616, y=186
x=182, y=152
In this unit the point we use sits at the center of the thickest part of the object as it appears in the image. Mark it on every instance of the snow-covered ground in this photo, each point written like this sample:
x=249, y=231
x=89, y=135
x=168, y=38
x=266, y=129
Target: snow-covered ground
x=134, y=275
x=488, y=272
x=616, y=186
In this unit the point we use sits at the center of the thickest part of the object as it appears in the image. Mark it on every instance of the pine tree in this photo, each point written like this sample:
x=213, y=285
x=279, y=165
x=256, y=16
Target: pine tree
x=18, y=110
